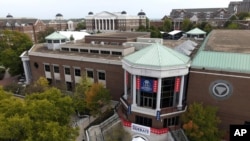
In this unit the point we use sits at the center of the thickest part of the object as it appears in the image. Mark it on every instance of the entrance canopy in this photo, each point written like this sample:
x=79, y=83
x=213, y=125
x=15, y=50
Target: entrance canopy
x=138, y=139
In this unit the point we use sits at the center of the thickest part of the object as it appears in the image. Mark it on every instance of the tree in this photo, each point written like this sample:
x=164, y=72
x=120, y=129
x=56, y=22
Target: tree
x=186, y=25
x=80, y=26
x=39, y=86
x=201, y=123
x=12, y=45
x=79, y=95
x=96, y=97
x=42, y=34
x=38, y=117
x=167, y=25
x=243, y=15
x=233, y=26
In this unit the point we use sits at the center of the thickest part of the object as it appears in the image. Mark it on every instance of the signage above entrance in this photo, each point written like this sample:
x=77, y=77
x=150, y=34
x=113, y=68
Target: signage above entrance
x=140, y=129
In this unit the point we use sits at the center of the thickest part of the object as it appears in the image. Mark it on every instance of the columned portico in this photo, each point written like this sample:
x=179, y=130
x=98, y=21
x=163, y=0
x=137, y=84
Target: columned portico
x=26, y=67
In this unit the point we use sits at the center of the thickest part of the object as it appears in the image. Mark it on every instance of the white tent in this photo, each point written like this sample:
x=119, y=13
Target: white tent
x=138, y=139
x=76, y=34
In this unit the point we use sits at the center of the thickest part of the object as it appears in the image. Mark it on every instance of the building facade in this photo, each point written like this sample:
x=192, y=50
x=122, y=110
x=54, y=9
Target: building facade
x=29, y=26
x=117, y=21
x=214, y=16
x=220, y=76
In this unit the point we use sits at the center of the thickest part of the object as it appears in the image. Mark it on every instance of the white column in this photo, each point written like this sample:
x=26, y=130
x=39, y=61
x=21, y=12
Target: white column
x=125, y=84
x=113, y=24
x=26, y=71
x=95, y=25
x=102, y=24
x=179, y=106
x=158, y=97
x=110, y=26
x=134, y=90
x=99, y=24
x=106, y=22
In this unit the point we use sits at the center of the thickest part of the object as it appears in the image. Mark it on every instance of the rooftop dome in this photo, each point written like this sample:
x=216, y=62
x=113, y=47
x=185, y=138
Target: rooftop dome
x=59, y=15
x=9, y=16
x=90, y=13
x=124, y=12
x=141, y=13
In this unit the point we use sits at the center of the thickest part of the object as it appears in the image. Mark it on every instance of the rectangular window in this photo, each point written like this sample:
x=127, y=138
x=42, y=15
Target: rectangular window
x=171, y=121
x=143, y=121
x=101, y=76
x=67, y=70
x=49, y=80
x=90, y=74
x=47, y=68
x=116, y=53
x=94, y=51
x=65, y=49
x=167, y=92
x=56, y=41
x=49, y=41
x=105, y=52
x=74, y=50
x=84, y=50
x=77, y=72
x=69, y=86
x=56, y=69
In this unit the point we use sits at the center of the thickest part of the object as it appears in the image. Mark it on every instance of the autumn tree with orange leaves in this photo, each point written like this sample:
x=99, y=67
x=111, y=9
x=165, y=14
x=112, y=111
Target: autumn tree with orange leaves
x=201, y=123
x=96, y=97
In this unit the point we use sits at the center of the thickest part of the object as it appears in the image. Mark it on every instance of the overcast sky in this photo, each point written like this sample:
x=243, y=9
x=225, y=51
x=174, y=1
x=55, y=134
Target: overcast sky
x=47, y=9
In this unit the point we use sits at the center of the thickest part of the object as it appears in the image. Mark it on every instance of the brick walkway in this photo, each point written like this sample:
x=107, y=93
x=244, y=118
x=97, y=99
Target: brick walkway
x=8, y=79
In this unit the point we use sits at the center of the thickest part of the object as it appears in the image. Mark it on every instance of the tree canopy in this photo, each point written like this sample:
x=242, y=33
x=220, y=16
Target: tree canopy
x=201, y=123
x=12, y=45
x=38, y=117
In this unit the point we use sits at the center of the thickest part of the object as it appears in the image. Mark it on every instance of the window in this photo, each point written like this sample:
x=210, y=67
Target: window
x=67, y=70
x=171, y=121
x=94, y=51
x=49, y=80
x=77, y=72
x=208, y=15
x=47, y=68
x=56, y=69
x=90, y=74
x=143, y=121
x=49, y=41
x=148, y=100
x=84, y=50
x=105, y=52
x=74, y=49
x=65, y=49
x=56, y=41
x=101, y=76
x=167, y=92
x=116, y=53
x=69, y=86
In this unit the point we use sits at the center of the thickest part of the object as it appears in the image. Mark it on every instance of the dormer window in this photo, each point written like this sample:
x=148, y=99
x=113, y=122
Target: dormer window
x=182, y=14
x=221, y=14
x=208, y=15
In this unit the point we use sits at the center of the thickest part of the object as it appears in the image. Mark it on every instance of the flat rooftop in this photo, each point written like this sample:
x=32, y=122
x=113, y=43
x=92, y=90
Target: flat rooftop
x=122, y=34
x=234, y=41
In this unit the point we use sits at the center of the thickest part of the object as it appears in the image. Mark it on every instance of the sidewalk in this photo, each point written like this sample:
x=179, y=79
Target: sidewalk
x=86, y=121
x=8, y=79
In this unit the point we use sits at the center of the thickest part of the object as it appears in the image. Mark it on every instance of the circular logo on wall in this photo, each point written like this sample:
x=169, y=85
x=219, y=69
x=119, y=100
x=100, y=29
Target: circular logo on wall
x=220, y=89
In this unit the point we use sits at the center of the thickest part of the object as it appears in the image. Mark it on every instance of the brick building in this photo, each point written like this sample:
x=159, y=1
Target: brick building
x=220, y=75
x=29, y=26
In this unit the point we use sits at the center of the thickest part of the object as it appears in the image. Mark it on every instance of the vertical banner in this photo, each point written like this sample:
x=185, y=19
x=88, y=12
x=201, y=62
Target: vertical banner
x=138, y=82
x=155, y=86
x=129, y=109
x=158, y=115
x=177, y=84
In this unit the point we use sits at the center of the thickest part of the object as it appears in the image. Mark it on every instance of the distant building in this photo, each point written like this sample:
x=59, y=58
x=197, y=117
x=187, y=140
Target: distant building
x=29, y=26
x=215, y=16
x=61, y=24
x=117, y=21
x=239, y=6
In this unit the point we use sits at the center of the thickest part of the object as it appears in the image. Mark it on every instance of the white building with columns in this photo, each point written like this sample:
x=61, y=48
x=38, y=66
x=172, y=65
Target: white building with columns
x=154, y=89
x=117, y=21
